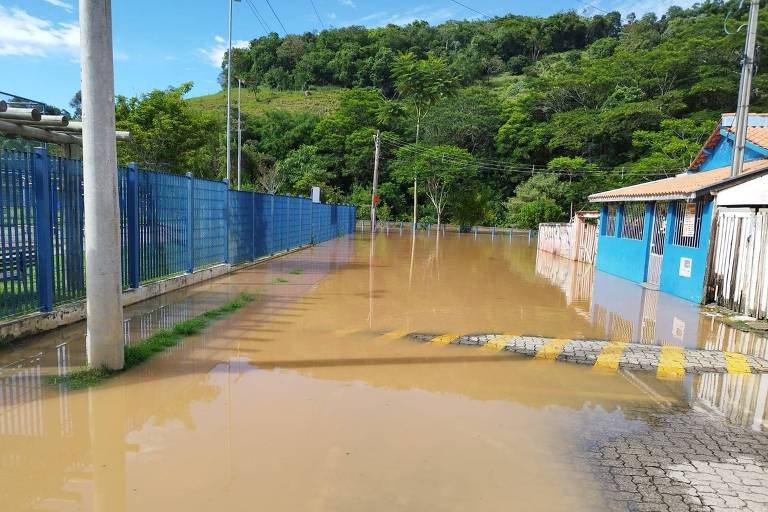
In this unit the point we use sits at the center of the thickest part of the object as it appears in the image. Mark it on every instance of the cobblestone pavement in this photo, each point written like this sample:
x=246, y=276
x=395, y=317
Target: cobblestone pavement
x=681, y=458
x=667, y=361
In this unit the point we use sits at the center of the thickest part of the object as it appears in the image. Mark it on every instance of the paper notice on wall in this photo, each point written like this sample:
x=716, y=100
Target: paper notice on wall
x=689, y=220
x=678, y=328
x=685, y=267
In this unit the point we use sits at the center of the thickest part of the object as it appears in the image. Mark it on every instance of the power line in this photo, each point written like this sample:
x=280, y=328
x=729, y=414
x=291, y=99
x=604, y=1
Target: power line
x=276, y=16
x=322, y=25
x=259, y=18
x=470, y=8
x=501, y=165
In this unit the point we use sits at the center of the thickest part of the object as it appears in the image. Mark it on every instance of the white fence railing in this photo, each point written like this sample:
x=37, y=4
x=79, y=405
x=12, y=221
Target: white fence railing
x=576, y=240
x=738, y=276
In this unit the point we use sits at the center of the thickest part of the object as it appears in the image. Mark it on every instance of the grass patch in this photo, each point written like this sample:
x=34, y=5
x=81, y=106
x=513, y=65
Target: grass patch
x=279, y=280
x=297, y=271
x=158, y=342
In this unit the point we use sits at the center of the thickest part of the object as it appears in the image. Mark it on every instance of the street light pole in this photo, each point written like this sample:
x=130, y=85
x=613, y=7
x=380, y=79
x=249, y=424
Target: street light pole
x=229, y=95
x=104, y=308
x=745, y=90
x=239, y=134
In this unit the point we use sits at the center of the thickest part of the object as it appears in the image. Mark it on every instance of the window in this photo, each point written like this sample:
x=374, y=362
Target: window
x=633, y=221
x=687, y=232
x=609, y=229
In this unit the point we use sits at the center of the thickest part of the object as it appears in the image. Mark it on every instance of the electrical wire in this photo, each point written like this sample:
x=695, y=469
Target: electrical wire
x=322, y=25
x=259, y=18
x=276, y=16
x=470, y=8
x=502, y=165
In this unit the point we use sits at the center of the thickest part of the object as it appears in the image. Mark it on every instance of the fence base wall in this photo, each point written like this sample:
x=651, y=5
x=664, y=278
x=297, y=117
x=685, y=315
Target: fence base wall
x=17, y=329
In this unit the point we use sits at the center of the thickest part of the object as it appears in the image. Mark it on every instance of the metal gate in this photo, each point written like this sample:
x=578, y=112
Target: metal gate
x=656, y=255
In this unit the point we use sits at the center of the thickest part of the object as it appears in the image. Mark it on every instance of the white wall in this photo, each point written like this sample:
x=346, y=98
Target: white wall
x=753, y=192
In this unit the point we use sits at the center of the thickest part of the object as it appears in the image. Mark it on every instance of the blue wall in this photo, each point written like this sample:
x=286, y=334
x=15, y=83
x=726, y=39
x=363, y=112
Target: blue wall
x=624, y=257
x=689, y=288
x=722, y=154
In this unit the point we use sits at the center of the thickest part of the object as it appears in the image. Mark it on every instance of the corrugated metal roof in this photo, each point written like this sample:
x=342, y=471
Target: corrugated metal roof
x=683, y=186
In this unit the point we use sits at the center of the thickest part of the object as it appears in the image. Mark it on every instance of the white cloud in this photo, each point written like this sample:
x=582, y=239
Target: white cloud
x=640, y=7
x=348, y=3
x=58, y=3
x=215, y=53
x=422, y=12
x=26, y=35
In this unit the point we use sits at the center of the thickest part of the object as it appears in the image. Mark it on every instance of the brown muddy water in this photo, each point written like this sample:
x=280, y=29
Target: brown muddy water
x=301, y=401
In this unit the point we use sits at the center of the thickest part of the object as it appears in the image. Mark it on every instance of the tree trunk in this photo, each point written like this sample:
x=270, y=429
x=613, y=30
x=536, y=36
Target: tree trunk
x=415, y=203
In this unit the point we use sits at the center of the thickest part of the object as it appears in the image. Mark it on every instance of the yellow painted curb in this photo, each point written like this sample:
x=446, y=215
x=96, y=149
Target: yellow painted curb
x=610, y=356
x=395, y=334
x=736, y=363
x=671, y=363
x=498, y=343
x=551, y=349
x=445, y=339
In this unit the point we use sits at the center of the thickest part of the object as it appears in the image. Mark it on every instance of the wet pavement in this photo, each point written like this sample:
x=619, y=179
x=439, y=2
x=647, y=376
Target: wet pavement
x=308, y=399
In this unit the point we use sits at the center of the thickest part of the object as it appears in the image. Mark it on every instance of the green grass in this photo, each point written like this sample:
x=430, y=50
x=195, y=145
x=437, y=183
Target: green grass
x=279, y=280
x=322, y=100
x=297, y=271
x=158, y=342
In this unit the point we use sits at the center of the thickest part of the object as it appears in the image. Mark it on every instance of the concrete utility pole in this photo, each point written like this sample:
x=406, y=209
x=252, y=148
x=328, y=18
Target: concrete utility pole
x=104, y=308
x=239, y=134
x=377, y=145
x=229, y=95
x=745, y=90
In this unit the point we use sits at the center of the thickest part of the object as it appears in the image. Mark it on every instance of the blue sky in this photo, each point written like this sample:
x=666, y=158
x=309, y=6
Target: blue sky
x=159, y=43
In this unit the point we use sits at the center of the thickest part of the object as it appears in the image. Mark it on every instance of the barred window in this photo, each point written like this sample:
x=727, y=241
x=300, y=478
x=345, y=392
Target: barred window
x=609, y=229
x=688, y=224
x=633, y=221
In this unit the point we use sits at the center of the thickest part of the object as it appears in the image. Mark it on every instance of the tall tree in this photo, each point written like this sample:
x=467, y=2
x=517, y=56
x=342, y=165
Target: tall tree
x=422, y=83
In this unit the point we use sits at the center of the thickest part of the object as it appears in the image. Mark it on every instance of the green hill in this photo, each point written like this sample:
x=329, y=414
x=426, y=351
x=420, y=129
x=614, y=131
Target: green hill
x=319, y=101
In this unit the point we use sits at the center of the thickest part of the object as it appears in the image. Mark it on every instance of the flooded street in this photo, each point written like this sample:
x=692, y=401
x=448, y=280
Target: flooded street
x=310, y=399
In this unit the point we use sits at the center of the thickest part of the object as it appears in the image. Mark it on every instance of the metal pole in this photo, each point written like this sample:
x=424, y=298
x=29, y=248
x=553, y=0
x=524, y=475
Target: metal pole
x=745, y=89
x=229, y=94
x=239, y=135
x=375, y=180
x=104, y=308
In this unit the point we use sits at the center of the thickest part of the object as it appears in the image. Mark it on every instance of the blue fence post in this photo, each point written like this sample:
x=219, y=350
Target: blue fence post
x=253, y=226
x=190, y=224
x=132, y=225
x=226, y=221
x=41, y=168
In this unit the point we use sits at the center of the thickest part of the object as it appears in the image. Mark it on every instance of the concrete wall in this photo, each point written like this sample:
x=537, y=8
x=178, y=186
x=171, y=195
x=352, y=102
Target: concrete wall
x=624, y=257
x=690, y=288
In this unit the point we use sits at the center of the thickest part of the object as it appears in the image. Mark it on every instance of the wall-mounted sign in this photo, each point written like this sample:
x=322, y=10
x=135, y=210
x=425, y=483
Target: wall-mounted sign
x=689, y=221
x=678, y=328
x=686, y=264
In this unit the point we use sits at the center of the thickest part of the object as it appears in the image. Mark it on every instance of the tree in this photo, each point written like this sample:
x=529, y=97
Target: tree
x=421, y=83
x=167, y=134
x=442, y=168
x=303, y=169
x=77, y=105
x=541, y=210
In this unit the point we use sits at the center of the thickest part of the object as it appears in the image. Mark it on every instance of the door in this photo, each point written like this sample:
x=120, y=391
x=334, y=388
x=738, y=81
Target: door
x=658, y=233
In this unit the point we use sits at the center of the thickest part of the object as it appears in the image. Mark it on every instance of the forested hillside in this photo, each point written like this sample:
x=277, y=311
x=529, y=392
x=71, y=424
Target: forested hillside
x=518, y=119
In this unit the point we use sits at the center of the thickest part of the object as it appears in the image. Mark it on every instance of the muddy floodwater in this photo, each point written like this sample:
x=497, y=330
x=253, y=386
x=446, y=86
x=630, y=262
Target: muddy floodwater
x=308, y=399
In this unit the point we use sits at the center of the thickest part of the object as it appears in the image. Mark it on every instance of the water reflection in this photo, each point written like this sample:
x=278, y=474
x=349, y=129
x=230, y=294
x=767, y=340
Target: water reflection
x=624, y=311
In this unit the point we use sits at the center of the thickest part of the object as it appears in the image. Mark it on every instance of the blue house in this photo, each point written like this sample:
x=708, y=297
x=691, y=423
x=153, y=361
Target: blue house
x=657, y=233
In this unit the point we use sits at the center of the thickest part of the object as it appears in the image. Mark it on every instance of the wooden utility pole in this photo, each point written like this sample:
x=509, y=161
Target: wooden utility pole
x=374, y=193
x=745, y=90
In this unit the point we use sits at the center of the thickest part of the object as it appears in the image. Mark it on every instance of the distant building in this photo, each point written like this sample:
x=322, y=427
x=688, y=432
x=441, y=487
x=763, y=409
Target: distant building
x=658, y=233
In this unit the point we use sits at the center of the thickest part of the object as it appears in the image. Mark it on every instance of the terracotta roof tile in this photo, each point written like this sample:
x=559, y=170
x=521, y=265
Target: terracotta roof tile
x=678, y=186
x=756, y=135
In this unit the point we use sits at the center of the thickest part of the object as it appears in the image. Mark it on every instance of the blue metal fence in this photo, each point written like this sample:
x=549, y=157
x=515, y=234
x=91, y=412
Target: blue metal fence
x=169, y=225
